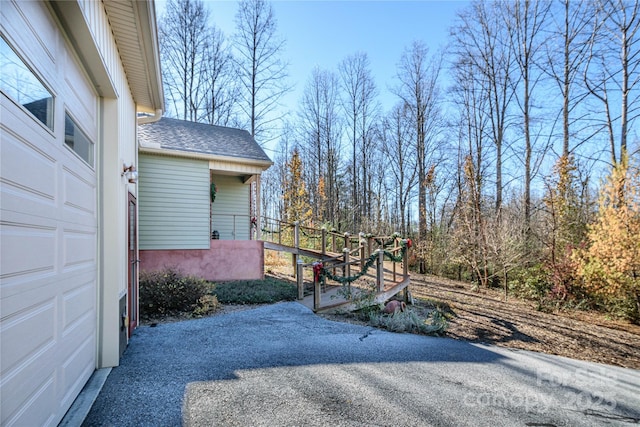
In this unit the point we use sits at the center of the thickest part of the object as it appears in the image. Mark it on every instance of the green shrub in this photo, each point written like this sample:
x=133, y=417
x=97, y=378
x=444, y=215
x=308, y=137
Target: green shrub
x=207, y=304
x=533, y=284
x=265, y=291
x=169, y=292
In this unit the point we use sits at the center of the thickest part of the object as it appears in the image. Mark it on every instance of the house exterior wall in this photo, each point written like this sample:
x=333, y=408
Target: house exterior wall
x=174, y=203
x=224, y=260
x=230, y=211
x=63, y=223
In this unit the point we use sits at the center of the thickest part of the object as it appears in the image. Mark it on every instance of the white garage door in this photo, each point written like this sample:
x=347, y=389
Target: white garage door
x=48, y=222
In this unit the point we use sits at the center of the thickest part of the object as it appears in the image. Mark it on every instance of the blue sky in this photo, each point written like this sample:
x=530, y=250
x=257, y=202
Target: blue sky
x=323, y=33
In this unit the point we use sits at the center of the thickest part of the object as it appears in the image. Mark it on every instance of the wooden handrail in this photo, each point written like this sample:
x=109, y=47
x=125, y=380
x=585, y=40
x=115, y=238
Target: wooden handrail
x=356, y=251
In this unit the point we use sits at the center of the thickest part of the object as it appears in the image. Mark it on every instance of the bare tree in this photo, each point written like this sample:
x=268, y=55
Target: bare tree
x=613, y=68
x=360, y=108
x=418, y=89
x=525, y=20
x=220, y=81
x=566, y=52
x=397, y=146
x=471, y=96
x=321, y=132
x=481, y=39
x=274, y=179
x=262, y=73
x=183, y=37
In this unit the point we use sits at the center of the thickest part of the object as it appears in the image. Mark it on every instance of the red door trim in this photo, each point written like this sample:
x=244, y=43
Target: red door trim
x=132, y=264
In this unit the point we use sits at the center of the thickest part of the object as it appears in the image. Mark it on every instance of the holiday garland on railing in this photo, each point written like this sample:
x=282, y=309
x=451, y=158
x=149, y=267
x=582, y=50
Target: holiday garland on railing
x=321, y=272
x=264, y=230
x=385, y=243
x=314, y=235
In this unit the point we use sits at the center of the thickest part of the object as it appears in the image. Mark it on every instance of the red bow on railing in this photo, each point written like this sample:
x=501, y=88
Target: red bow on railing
x=317, y=269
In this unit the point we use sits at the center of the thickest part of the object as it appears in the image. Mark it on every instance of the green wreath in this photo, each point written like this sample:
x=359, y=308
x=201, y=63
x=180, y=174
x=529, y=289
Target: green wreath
x=214, y=191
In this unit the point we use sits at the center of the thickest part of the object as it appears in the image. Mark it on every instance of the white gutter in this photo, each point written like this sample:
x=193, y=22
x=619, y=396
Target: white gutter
x=151, y=118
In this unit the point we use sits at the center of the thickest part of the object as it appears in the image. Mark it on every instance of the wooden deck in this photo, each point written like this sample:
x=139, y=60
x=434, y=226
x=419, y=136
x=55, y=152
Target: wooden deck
x=387, y=277
x=332, y=301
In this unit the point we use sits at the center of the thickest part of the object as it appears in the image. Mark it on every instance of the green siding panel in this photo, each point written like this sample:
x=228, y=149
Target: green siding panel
x=230, y=211
x=173, y=203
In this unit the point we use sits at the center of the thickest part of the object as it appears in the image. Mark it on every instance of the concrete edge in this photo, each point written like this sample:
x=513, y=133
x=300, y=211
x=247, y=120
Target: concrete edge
x=80, y=407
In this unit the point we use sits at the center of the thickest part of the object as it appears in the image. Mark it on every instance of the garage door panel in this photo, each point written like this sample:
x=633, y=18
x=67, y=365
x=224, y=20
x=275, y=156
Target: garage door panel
x=76, y=353
x=28, y=250
x=31, y=331
x=77, y=223
x=77, y=347
x=78, y=308
x=40, y=181
x=28, y=362
x=79, y=250
x=79, y=193
x=76, y=371
x=20, y=125
x=38, y=410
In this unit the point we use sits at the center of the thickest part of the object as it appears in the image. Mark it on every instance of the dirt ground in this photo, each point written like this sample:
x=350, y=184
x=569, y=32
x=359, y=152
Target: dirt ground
x=483, y=316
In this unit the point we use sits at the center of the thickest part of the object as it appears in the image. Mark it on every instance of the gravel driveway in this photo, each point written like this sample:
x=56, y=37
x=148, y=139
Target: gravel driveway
x=281, y=365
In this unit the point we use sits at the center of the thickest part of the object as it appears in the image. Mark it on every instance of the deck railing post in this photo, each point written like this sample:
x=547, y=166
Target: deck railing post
x=300, y=279
x=369, y=246
x=405, y=262
x=316, y=292
x=405, y=272
x=346, y=270
x=324, y=240
x=347, y=241
x=280, y=232
x=380, y=270
x=394, y=266
x=362, y=256
x=333, y=241
x=347, y=267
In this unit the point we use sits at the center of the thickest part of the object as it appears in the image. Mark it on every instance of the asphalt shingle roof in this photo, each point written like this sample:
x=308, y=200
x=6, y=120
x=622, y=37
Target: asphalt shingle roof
x=181, y=135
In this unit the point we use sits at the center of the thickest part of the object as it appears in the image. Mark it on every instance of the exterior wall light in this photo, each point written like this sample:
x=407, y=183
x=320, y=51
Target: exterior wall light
x=130, y=173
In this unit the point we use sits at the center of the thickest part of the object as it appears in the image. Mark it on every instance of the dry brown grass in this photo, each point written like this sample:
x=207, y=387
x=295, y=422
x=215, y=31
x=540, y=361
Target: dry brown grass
x=482, y=315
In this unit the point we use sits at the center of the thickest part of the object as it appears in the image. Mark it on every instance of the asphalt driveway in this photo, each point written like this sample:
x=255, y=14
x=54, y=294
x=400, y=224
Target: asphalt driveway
x=281, y=365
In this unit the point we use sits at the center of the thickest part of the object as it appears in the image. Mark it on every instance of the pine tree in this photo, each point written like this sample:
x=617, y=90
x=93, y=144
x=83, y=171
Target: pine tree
x=295, y=196
x=610, y=265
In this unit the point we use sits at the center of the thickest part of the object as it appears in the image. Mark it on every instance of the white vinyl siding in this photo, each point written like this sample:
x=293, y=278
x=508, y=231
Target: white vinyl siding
x=230, y=211
x=173, y=203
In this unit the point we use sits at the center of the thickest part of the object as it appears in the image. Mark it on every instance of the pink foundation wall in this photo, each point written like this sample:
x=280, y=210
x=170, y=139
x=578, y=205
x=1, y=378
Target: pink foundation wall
x=225, y=260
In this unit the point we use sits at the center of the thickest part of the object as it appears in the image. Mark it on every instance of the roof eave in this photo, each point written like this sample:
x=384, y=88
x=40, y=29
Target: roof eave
x=263, y=164
x=139, y=55
x=149, y=28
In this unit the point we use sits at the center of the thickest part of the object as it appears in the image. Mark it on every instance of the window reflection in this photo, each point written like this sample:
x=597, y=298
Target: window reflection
x=20, y=83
